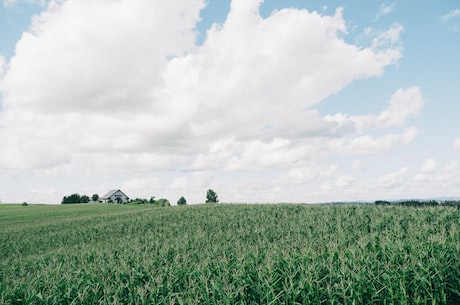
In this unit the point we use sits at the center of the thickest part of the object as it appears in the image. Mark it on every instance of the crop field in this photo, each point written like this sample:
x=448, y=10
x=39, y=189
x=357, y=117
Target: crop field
x=229, y=254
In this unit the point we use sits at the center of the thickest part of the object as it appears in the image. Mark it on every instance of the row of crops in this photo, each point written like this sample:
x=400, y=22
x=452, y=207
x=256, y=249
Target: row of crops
x=229, y=254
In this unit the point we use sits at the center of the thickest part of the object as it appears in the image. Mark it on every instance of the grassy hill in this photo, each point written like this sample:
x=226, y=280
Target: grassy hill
x=229, y=254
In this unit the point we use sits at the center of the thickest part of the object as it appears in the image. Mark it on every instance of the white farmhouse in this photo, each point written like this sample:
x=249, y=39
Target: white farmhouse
x=115, y=196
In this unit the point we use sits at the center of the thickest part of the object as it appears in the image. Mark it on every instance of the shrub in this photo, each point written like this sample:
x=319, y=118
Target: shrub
x=211, y=197
x=181, y=201
x=163, y=202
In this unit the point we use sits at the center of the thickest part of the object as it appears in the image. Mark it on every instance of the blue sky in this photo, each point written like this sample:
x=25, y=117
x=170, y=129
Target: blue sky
x=263, y=101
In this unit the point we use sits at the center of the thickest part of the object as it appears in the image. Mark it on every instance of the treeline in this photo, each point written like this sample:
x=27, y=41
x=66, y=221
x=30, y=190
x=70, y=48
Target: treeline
x=421, y=203
x=211, y=197
x=162, y=202
x=76, y=198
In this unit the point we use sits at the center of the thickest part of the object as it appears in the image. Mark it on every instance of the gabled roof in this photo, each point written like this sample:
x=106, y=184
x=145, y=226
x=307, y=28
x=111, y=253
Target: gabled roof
x=109, y=194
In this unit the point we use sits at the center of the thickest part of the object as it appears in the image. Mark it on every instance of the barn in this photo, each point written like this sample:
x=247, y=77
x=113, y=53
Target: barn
x=114, y=196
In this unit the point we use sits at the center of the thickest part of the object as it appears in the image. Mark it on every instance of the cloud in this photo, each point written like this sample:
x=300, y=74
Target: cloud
x=128, y=92
x=404, y=104
x=395, y=179
x=9, y=3
x=142, y=187
x=456, y=143
x=429, y=166
x=385, y=9
x=357, y=165
x=452, y=20
x=368, y=144
x=306, y=173
x=453, y=14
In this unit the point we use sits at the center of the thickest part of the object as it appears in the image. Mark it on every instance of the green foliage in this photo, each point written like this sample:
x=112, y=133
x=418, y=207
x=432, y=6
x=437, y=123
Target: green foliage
x=211, y=197
x=95, y=197
x=162, y=202
x=139, y=201
x=229, y=254
x=420, y=203
x=181, y=201
x=75, y=198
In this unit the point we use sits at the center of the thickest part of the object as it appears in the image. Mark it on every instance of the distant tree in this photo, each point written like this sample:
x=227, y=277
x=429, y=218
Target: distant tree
x=382, y=202
x=74, y=198
x=95, y=197
x=181, y=201
x=163, y=202
x=139, y=201
x=211, y=197
x=152, y=200
x=84, y=199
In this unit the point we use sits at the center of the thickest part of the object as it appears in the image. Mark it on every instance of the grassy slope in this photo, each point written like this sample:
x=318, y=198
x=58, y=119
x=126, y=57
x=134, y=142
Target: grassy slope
x=113, y=254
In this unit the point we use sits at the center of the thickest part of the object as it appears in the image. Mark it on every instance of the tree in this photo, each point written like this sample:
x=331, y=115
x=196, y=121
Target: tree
x=84, y=199
x=163, y=202
x=211, y=197
x=95, y=197
x=74, y=198
x=181, y=201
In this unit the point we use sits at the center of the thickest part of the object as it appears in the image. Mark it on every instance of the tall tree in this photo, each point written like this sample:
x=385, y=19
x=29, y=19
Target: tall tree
x=211, y=197
x=181, y=201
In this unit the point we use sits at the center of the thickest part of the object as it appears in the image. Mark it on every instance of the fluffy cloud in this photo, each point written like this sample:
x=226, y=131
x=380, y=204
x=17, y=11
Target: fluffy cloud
x=456, y=143
x=403, y=105
x=129, y=91
x=385, y=9
x=13, y=2
x=452, y=20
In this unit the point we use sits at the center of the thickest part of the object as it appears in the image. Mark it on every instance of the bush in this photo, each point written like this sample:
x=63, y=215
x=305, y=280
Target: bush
x=163, y=202
x=211, y=197
x=181, y=201
x=75, y=198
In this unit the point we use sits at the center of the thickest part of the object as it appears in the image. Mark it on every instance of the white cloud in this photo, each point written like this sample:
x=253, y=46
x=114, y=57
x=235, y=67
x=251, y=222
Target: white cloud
x=9, y=3
x=395, y=179
x=452, y=20
x=429, y=166
x=404, y=104
x=453, y=14
x=368, y=144
x=456, y=143
x=385, y=9
x=2, y=67
x=128, y=92
x=357, y=165
x=143, y=187
x=306, y=173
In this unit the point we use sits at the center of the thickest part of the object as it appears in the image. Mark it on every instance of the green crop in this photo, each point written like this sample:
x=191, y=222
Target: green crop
x=229, y=254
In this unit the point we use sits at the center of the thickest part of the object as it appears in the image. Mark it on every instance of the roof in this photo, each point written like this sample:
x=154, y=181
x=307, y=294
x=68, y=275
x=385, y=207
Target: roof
x=109, y=194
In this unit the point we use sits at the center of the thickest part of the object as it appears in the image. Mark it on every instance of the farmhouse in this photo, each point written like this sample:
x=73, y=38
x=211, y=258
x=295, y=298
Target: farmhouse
x=115, y=196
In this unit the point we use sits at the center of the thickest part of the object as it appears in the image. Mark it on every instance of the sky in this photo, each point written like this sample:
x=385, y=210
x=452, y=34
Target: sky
x=262, y=101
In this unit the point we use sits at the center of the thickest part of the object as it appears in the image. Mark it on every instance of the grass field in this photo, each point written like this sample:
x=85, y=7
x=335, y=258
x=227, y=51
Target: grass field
x=229, y=254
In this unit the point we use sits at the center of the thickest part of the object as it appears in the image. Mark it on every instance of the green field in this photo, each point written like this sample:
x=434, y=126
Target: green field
x=229, y=254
